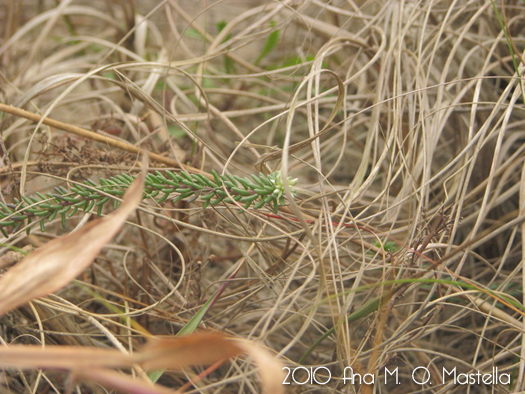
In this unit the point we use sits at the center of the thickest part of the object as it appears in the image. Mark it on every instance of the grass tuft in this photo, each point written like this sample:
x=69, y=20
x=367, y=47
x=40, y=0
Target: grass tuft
x=340, y=183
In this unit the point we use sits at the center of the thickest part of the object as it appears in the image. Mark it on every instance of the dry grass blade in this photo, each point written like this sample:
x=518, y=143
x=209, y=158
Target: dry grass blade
x=400, y=246
x=57, y=263
x=270, y=369
x=87, y=134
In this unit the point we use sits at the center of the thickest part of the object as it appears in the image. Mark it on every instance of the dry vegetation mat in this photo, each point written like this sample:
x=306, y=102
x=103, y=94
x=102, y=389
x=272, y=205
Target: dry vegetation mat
x=262, y=196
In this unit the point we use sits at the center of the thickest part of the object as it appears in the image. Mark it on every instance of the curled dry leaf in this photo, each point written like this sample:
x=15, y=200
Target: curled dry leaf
x=166, y=353
x=206, y=348
x=180, y=352
x=57, y=263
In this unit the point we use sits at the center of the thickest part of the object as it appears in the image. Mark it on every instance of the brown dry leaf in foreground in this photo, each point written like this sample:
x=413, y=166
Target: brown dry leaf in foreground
x=194, y=349
x=57, y=263
x=206, y=348
x=62, y=357
x=165, y=353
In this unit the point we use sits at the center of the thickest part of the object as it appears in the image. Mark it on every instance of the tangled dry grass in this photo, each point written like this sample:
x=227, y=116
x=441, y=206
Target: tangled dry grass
x=403, y=245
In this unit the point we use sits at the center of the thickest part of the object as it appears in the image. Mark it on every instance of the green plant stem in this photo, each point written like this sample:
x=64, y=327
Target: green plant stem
x=254, y=192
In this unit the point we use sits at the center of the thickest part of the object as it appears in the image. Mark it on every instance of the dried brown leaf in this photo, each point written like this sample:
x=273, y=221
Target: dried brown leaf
x=206, y=348
x=180, y=352
x=161, y=353
x=61, y=357
x=57, y=263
